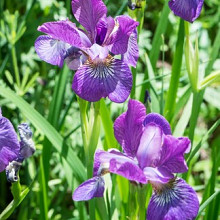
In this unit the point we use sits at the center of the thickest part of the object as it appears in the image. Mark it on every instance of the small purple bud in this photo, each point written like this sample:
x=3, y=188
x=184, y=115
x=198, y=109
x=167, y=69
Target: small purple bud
x=12, y=171
x=26, y=143
x=147, y=97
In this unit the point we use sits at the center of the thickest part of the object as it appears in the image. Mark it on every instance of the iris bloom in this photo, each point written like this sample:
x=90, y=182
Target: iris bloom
x=9, y=144
x=91, y=51
x=188, y=10
x=150, y=155
x=13, y=151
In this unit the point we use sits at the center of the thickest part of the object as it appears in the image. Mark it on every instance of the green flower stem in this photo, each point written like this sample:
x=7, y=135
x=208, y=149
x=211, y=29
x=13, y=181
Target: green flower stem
x=162, y=80
x=186, y=26
x=141, y=198
x=15, y=65
x=16, y=190
x=134, y=72
x=90, y=140
x=84, y=124
x=14, y=203
x=132, y=206
x=93, y=137
x=175, y=74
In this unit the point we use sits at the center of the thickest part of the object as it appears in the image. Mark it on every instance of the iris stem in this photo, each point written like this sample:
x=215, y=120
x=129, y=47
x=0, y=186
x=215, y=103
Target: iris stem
x=84, y=124
x=15, y=65
x=93, y=137
x=141, y=197
x=162, y=83
x=132, y=202
x=16, y=190
x=90, y=139
x=134, y=72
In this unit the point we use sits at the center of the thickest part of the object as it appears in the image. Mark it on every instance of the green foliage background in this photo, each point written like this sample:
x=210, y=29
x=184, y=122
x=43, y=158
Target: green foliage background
x=36, y=92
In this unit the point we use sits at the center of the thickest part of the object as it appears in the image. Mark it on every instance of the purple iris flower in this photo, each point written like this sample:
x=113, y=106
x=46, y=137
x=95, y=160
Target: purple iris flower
x=188, y=10
x=150, y=155
x=91, y=51
x=12, y=151
x=9, y=144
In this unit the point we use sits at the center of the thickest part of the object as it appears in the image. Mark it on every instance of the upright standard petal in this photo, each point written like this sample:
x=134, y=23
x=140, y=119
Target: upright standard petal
x=91, y=188
x=118, y=40
x=132, y=54
x=159, y=120
x=97, y=79
x=175, y=200
x=9, y=144
x=128, y=127
x=188, y=10
x=118, y=163
x=88, y=13
x=65, y=31
x=50, y=50
x=172, y=154
x=148, y=153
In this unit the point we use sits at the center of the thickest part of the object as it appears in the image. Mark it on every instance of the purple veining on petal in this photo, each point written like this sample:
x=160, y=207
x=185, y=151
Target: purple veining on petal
x=118, y=41
x=88, y=13
x=9, y=144
x=118, y=163
x=172, y=154
x=132, y=53
x=188, y=10
x=65, y=31
x=89, y=189
x=50, y=50
x=175, y=200
x=110, y=77
x=128, y=127
x=158, y=120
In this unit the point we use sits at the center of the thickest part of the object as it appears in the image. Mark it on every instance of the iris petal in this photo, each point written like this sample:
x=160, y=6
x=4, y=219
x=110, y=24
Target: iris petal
x=65, y=31
x=131, y=56
x=118, y=163
x=50, y=50
x=159, y=120
x=151, y=141
x=110, y=77
x=75, y=58
x=9, y=145
x=91, y=188
x=88, y=13
x=174, y=201
x=172, y=154
x=118, y=41
x=188, y=10
x=128, y=127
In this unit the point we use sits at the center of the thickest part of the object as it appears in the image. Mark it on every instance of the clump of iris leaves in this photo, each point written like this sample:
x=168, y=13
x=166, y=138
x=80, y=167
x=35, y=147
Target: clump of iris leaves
x=42, y=95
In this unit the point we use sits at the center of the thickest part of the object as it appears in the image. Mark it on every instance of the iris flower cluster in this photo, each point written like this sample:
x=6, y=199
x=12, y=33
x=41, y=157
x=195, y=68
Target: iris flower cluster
x=101, y=54
x=12, y=151
x=150, y=155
